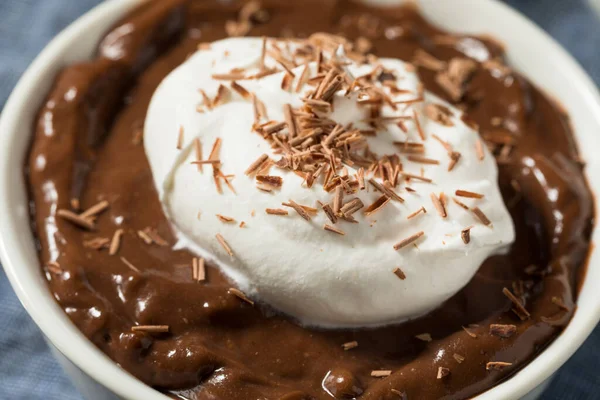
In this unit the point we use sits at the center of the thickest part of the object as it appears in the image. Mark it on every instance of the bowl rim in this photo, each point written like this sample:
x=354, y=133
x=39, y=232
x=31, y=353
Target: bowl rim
x=76, y=347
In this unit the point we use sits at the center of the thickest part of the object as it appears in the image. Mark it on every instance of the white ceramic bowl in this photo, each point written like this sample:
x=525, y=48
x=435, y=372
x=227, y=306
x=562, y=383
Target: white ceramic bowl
x=530, y=51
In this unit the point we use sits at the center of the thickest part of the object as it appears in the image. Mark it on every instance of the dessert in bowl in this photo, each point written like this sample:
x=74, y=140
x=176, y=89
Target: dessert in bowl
x=302, y=214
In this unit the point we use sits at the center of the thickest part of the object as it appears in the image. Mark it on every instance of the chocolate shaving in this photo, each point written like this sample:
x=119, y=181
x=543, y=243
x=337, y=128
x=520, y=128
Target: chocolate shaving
x=470, y=333
x=443, y=199
x=410, y=147
x=497, y=365
x=350, y=345
x=454, y=79
x=351, y=207
x=156, y=238
x=465, y=235
x=439, y=113
x=415, y=177
x=240, y=295
x=333, y=86
x=96, y=243
x=418, y=125
x=422, y=160
x=289, y=120
x=454, y=158
x=381, y=373
x=385, y=190
x=76, y=219
x=205, y=99
x=304, y=77
x=144, y=236
x=419, y=99
x=399, y=273
x=224, y=218
x=479, y=150
x=338, y=198
x=256, y=165
x=471, y=195
x=199, y=271
x=331, y=75
x=198, y=152
x=222, y=96
x=377, y=205
x=317, y=105
x=194, y=269
x=419, y=211
x=426, y=60
x=263, y=53
x=310, y=210
x=286, y=82
x=459, y=359
x=95, y=210
x=330, y=213
x=460, y=204
x=150, y=328
x=519, y=309
x=408, y=240
x=446, y=145
x=224, y=244
x=482, y=217
x=203, y=162
x=288, y=71
x=503, y=331
x=242, y=91
x=256, y=108
x=214, y=152
x=443, y=372
x=276, y=211
x=333, y=229
x=439, y=206
x=226, y=179
x=262, y=74
x=115, y=242
x=274, y=181
x=264, y=188
x=130, y=265
x=298, y=208
x=360, y=177
x=54, y=268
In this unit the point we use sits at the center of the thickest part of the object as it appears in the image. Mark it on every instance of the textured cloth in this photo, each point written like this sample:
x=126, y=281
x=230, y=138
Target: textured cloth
x=27, y=369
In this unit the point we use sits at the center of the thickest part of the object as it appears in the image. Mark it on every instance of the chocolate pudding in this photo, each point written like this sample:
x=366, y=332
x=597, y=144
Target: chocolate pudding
x=181, y=326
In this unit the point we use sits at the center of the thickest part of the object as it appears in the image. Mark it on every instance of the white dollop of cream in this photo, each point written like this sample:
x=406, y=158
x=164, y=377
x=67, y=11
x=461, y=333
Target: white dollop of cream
x=319, y=277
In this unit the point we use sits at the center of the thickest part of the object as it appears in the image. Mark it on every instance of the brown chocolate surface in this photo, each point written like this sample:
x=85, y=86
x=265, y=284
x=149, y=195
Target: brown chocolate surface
x=219, y=347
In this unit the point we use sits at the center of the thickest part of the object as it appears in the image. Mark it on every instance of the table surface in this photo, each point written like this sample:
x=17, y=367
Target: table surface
x=27, y=369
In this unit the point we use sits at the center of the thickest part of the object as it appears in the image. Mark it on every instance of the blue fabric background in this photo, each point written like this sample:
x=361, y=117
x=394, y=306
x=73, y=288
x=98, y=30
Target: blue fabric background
x=27, y=369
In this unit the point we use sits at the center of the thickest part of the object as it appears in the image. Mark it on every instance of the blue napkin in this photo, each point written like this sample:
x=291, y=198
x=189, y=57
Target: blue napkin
x=27, y=369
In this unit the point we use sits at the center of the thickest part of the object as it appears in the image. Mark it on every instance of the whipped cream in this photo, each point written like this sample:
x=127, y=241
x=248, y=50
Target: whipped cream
x=315, y=275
